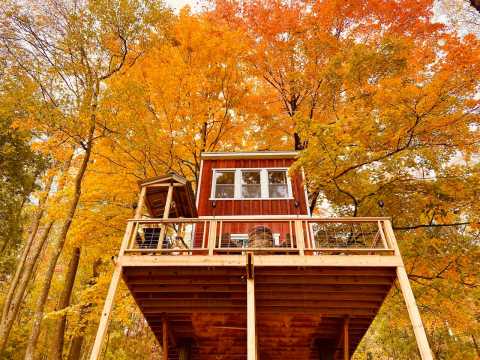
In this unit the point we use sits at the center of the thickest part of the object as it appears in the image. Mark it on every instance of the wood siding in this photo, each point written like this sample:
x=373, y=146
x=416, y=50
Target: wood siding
x=250, y=207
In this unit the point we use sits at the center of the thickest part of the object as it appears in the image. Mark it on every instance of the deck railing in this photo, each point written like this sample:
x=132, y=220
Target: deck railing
x=265, y=235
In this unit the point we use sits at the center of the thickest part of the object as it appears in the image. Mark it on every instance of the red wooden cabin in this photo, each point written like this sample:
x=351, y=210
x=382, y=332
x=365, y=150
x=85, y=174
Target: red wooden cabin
x=243, y=271
x=250, y=184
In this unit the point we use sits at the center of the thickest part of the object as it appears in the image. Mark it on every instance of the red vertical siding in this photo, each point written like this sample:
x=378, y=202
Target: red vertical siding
x=250, y=207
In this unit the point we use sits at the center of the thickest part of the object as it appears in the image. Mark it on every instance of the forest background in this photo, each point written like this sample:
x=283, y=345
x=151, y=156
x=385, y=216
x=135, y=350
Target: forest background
x=381, y=99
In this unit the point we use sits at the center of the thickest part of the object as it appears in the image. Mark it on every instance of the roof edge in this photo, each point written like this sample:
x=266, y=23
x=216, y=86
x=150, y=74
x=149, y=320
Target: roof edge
x=163, y=178
x=250, y=155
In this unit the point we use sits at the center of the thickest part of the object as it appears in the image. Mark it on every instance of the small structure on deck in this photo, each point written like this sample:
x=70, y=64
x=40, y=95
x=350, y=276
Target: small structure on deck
x=243, y=271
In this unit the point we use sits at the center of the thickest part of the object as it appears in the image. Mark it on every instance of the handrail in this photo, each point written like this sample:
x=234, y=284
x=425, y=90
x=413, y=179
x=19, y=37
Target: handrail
x=264, y=218
x=264, y=235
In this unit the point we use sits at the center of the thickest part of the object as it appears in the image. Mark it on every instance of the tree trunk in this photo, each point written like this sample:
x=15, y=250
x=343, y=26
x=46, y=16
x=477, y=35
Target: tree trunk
x=298, y=142
x=78, y=338
x=63, y=303
x=16, y=301
x=313, y=201
x=26, y=249
x=76, y=347
x=26, y=265
x=39, y=308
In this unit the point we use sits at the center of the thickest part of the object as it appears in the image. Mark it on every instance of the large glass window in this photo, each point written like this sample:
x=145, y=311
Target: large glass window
x=251, y=184
x=224, y=184
x=277, y=184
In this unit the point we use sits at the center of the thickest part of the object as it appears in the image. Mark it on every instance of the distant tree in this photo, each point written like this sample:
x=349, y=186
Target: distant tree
x=20, y=165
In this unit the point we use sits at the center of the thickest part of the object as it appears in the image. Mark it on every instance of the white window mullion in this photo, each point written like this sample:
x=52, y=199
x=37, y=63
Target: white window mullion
x=289, y=186
x=264, y=183
x=214, y=185
x=238, y=184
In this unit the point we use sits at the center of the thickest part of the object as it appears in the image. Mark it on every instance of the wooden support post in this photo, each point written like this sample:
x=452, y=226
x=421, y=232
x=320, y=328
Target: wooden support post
x=107, y=309
x=166, y=212
x=413, y=313
x=251, y=321
x=141, y=202
x=346, y=340
x=165, y=339
x=185, y=350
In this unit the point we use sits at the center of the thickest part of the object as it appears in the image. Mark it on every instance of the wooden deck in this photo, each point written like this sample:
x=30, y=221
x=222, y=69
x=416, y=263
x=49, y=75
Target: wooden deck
x=317, y=296
x=299, y=309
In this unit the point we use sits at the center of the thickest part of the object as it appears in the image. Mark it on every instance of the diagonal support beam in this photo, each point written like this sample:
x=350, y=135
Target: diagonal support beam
x=414, y=314
x=107, y=309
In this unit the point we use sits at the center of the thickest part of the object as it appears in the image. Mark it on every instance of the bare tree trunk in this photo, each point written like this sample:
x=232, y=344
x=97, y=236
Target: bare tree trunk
x=16, y=301
x=76, y=347
x=64, y=302
x=26, y=249
x=39, y=309
x=75, y=352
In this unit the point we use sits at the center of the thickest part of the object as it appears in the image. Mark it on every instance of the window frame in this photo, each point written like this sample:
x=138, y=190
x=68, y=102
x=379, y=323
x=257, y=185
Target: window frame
x=214, y=181
x=264, y=184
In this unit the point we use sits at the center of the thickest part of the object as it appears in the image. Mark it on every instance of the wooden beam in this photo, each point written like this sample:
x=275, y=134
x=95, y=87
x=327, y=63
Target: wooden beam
x=166, y=213
x=107, y=309
x=414, y=314
x=185, y=350
x=346, y=339
x=263, y=260
x=299, y=237
x=168, y=202
x=140, y=203
x=212, y=237
x=251, y=321
x=164, y=339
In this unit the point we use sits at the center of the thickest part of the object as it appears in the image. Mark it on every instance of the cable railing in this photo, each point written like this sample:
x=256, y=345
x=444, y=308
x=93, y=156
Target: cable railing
x=260, y=235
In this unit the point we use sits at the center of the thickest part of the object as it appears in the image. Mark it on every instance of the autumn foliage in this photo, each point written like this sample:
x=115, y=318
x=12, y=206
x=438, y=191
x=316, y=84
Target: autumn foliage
x=380, y=97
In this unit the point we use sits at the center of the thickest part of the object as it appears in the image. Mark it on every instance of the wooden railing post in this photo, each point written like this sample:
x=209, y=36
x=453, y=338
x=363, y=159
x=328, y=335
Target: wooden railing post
x=299, y=235
x=212, y=236
x=166, y=212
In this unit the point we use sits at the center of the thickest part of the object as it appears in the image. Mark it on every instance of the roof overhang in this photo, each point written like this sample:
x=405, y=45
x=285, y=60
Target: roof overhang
x=163, y=179
x=250, y=155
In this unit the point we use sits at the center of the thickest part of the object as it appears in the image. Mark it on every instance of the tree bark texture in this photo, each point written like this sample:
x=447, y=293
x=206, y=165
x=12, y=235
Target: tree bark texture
x=58, y=247
x=63, y=303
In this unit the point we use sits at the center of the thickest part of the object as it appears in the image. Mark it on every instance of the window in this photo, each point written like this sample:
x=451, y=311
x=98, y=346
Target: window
x=224, y=184
x=277, y=184
x=251, y=185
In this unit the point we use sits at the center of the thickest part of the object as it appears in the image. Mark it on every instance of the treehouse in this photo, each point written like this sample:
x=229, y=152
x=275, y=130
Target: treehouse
x=243, y=271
